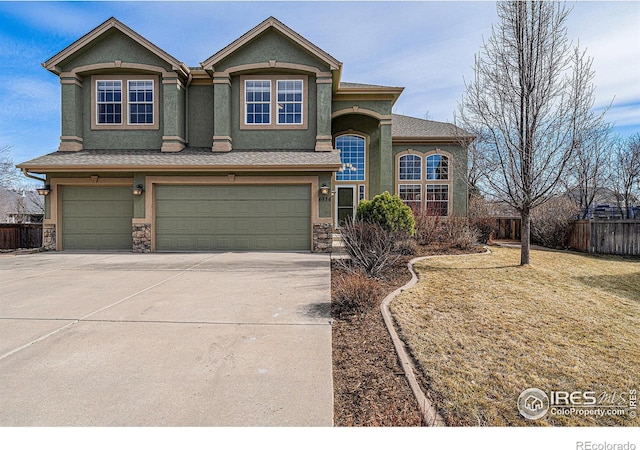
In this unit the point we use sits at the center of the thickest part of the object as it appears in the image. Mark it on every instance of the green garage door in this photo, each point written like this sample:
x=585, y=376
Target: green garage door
x=96, y=218
x=202, y=218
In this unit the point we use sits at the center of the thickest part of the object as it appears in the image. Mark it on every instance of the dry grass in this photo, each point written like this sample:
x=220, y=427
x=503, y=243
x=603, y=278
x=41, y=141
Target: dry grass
x=483, y=329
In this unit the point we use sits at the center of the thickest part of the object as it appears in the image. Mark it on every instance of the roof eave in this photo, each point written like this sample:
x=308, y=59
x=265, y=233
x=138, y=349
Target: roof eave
x=464, y=139
x=182, y=168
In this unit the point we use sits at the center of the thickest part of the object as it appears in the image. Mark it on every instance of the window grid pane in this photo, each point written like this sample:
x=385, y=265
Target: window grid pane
x=258, y=102
x=141, y=102
x=411, y=195
x=410, y=167
x=289, y=101
x=437, y=167
x=109, y=101
x=352, y=156
x=437, y=200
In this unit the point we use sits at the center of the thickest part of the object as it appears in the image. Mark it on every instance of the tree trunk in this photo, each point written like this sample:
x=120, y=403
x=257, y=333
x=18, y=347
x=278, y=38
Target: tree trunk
x=525, y=237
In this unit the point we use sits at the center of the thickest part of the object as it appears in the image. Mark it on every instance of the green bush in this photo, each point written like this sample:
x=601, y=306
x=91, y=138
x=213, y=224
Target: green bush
x=388, y=211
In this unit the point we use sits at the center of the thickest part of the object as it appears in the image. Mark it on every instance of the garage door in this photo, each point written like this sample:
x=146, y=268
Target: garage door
x=96, y=218
x=203, y=218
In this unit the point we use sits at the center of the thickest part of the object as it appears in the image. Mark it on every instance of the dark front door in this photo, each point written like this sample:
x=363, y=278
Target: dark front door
x=345, y=204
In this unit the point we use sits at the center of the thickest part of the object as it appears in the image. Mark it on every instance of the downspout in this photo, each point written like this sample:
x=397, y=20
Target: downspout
x=186, y=109
x=28, y=175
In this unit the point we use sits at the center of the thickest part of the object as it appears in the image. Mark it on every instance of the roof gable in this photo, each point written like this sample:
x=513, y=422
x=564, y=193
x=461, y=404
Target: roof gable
x=272, y=24
x=53, y=64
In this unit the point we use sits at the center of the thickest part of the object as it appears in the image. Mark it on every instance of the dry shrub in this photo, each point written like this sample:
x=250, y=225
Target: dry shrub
x=354, y=292
x=550, y=222
x=428, y=227
x=370, y=247
x=406, y=246
x=480, y=213
x=459, y=234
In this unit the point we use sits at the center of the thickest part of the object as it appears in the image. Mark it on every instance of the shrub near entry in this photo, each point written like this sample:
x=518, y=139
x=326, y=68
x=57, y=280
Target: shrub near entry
x=388, y=211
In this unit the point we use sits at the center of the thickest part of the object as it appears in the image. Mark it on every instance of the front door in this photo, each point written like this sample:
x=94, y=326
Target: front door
x=345, y=204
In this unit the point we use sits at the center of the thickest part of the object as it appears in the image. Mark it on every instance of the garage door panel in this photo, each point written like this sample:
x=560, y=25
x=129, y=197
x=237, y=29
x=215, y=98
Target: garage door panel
x=96, y=218
x=233, y=217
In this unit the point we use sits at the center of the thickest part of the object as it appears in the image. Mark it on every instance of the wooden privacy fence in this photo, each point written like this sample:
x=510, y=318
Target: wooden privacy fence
x=611, y=237
x=20, y=235
x=507, y=228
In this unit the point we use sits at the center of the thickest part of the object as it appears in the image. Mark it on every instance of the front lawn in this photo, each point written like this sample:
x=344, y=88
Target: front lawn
x=482, y=330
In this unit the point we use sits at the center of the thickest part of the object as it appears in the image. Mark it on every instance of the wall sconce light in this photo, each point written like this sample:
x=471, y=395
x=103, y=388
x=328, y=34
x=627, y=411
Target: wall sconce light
x=137, y=190
x=324, y=189
x=44, y=190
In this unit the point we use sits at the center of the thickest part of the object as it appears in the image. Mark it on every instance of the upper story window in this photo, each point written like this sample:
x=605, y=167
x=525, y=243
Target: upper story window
x=258, y=101
x=273, y=102
x=140, y=101
x=437, y=167
x=290, y=101
x=353, y=158
x=410, y=167
x=124, y=102
x=109, y=101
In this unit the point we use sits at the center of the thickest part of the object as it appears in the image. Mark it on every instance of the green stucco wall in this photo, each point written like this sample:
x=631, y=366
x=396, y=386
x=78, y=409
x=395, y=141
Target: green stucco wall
x=111, y=46
x=270, y=45
x=459, y=172
x=276, y=138
x=200, y=116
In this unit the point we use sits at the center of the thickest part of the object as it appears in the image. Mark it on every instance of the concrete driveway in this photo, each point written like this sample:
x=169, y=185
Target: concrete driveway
x=225, y=339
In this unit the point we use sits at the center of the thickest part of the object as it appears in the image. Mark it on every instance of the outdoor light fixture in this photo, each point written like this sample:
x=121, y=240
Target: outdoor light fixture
x=44, y=190
x=324, y=189
x=137, y=190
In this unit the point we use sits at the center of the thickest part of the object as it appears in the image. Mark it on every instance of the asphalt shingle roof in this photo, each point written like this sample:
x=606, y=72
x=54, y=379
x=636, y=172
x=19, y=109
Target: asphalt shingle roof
x=405, y=126
x=187, y=158
x=347, y=85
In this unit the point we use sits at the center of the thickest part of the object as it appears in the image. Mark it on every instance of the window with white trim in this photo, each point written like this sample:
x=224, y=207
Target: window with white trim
x=257, y=102
x=410, y=167
x=140, y=101
x=427, y=191
x=109, y=101
x=352, y=157
x=437, y=167
x=437, y=200
x=411, y=195
x=289, y=94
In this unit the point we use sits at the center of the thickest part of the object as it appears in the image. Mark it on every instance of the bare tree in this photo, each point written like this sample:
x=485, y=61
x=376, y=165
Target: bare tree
x=531, y=93
x=9, y=175
x=626, y=173
x=589, y=170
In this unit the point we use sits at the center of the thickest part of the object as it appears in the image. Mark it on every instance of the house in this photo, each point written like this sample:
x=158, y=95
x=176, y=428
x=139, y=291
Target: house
x=20, y=206
x=260, y=147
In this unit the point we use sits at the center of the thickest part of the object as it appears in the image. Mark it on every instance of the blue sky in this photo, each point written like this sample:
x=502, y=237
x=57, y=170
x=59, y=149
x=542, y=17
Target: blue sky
x=428, y=47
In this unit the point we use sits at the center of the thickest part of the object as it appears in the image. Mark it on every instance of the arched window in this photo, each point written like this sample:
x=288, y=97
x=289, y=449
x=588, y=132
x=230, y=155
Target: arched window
x=410, y=167
x=352, y=156
x=437, y=168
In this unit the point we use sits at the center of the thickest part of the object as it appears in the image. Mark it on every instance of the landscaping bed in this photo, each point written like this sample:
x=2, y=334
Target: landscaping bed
x=370, y=388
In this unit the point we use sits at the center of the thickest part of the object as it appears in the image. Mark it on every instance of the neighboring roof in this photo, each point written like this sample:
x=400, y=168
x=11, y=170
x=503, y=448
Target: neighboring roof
x=187, y=159
x=20, y=201
x=52, y=63
x=274, y=23
x=412, y=128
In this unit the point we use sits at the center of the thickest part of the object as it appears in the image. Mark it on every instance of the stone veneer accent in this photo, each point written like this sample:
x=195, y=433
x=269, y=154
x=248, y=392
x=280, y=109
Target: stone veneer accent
x=141, y=233
x=49, y=236
x=322, y=237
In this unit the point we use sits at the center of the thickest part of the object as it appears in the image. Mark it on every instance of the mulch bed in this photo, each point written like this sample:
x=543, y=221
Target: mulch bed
x=369, y=385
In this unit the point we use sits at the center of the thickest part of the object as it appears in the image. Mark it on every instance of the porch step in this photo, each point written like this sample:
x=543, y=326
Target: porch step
x=337, y=247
